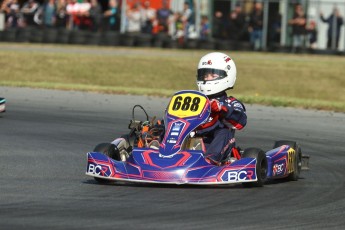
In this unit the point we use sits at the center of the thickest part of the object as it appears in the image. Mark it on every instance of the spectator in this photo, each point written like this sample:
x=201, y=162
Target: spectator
x=219, y=25
x=255, y=26
x=298, y=23
x=83, y=9
x=28, y=11
x=72, y=9
x=49, y=13
x=274, y=29
x=334, y=21
x=312, y=34
x=110, y=16
x=61, y=14
x=148, y=17
x=237, y=24
x=163, y=15
x=77, y=11
x=179, y=28
x=134, y=20
x=95, y=15
x=11, y=9
x=188, y=20
x=204, y=28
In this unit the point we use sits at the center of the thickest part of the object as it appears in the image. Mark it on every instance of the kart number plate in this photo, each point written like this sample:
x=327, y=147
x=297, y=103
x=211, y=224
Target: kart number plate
x=186, y=105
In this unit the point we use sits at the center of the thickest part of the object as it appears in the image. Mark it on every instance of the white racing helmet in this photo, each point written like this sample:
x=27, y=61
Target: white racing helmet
x=222, y=67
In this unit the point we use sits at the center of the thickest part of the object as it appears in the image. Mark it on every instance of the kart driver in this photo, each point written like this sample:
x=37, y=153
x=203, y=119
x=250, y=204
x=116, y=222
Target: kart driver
x=217, y=73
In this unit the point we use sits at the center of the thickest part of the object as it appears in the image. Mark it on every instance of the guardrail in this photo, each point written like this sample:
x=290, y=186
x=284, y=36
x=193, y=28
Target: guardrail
x=110, y=38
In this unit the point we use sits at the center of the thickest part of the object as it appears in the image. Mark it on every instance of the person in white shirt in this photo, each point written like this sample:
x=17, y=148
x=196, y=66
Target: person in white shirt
x=134, y=20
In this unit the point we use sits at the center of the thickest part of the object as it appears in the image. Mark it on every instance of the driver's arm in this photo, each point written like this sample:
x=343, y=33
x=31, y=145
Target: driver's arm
x=235, y=113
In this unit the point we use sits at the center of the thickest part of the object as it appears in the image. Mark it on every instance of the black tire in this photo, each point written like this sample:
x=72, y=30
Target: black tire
x=261, y=166
x=63, y=36
x=36, y=36
x=49, y=36
x=23, y=34
x=102, y=148
x=298, y=158
x=108, y=150
x=110, y=38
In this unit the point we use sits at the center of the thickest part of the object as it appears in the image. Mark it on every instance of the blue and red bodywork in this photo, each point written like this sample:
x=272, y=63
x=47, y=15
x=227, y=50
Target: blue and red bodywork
x=172, y=165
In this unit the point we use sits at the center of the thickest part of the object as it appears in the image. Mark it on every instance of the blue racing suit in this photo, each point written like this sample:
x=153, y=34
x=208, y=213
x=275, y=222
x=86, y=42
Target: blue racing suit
x=227, y=115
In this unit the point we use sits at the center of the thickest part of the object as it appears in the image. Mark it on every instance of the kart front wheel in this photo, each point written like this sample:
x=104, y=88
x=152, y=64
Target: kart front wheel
x=261, y=166
x=106, y=149
x=297, y=164
x=109, y=150
x=102, y=148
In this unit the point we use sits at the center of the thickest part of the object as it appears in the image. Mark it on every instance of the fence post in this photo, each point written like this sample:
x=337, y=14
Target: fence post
x=334, y=31
x=2, y=21
x=284, y=23
x=265, y=25
x=123, y=17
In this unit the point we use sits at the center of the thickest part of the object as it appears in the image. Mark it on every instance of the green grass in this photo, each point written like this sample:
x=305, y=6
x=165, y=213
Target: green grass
x=305, y=81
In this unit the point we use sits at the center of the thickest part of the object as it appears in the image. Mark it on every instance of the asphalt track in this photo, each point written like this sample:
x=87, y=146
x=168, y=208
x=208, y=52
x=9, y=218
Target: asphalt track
x=45, y=134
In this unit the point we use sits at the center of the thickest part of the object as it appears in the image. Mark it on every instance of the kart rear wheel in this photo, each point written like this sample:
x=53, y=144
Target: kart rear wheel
x=298, y=158
x=261, y=166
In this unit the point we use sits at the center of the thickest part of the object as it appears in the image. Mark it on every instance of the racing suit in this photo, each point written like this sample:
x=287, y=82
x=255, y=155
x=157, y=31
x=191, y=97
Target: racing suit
x=218, y=133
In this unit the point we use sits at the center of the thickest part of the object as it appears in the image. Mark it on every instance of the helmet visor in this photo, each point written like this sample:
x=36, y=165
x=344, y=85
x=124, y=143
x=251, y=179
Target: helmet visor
x=210, y=74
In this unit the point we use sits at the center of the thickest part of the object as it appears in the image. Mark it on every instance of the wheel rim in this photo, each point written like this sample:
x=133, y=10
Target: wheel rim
x=123, y=155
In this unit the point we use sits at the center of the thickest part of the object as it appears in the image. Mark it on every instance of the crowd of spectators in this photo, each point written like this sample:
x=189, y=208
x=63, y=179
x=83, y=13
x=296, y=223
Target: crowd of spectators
x=240, y=26
x=69, y=14
x=86, y=15
x=142, y=18
x=90, y=15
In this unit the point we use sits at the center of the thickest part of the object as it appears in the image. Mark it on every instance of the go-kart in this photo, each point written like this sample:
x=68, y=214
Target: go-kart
x=177, y=157
x=2, y=105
